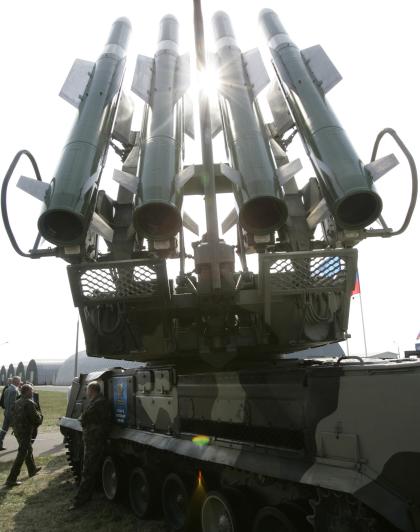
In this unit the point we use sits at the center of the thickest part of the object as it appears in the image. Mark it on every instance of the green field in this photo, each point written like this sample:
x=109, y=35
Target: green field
x=53, y=406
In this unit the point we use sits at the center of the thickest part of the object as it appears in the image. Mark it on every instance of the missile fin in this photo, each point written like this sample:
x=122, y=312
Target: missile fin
x=100, y=227
x=257, y=74
x=283, y=120
x=278, y=152
x=76, y=82
x=317, y=214
x=90, y=182
x=142, y=79
x=233, y=175
x=288, y=170
x=183, y=177
x=216, y=121
x=128, y=181
x=122, y=126
x=182, y=76
x=188, y=116
x=230, y=221
x=322, y=68
x=381, y=166
x=190, y=224
x=131, y=163
x=34, y=187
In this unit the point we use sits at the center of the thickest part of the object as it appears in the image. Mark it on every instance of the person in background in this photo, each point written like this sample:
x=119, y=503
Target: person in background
x=10, y=397
x=25, y=418
x=35, y=398
x=8, y=383
x=96, y=424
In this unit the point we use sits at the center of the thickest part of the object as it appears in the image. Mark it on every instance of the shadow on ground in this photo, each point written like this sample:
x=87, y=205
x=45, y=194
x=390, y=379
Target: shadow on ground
x=42, y=505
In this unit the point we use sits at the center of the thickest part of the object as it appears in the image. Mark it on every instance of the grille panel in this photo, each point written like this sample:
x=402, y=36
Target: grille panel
x=122, y=280
x=308, y=273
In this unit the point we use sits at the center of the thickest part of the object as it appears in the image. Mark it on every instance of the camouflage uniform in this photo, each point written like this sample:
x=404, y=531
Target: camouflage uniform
x=96, y=423
x=25, y=418
x=11, y=394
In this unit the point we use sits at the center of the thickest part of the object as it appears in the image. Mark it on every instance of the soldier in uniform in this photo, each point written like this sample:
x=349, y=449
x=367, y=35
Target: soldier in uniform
x=24, y=419
x=11, y=394
x=96, y=424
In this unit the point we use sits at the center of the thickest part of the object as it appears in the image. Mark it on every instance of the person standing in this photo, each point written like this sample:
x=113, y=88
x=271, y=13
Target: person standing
x=25, y=418
x=8, y=383
x=9, y=399
x=35, y=398
x=96, y=424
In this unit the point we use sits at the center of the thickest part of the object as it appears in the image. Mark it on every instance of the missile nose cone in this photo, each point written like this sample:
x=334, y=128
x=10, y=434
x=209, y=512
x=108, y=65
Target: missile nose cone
x=120, y=33
x=265, y=12
x=222, y=25
x=270, y=22
x=220, y=14
x=169, y=17
x=169, y=29
x=125, y=21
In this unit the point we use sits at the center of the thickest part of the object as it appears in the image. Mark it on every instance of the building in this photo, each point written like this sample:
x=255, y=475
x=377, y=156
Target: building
x=11, y=371
x=41, y=372
x=3, y=376
x=87, y=364
x=20, y=371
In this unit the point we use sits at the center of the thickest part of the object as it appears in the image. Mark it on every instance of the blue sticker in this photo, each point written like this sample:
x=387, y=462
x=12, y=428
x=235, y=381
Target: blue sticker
x=120, y=400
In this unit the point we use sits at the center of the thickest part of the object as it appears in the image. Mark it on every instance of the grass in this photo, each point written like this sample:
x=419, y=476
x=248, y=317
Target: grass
x=41, y=504
x=53, y=406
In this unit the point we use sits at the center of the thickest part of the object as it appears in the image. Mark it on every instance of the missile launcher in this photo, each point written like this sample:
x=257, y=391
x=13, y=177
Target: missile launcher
x=228, y=420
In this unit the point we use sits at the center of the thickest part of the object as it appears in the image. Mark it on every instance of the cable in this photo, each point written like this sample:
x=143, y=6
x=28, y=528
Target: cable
x=4, y=187
x=414, y=179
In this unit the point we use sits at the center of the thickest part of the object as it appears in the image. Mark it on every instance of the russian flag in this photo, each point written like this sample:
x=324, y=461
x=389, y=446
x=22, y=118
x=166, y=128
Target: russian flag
x=356, y=289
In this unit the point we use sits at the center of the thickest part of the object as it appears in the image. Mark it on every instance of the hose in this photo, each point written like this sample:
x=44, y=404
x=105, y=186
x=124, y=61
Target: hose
x=414, y=179
x=4, y=187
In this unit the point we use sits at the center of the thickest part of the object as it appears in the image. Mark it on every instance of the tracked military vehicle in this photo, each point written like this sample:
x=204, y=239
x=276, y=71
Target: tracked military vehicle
x=216, y=426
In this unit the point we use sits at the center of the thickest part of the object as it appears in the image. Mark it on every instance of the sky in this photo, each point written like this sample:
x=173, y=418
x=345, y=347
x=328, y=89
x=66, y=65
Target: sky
x=373, y=44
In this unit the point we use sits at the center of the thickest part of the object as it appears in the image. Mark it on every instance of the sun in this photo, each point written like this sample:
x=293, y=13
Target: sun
x=208, y=81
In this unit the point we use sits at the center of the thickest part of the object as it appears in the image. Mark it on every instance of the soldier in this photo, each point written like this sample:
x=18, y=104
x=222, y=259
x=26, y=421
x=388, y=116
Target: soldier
x=35, y=399
x=96, y=424
x=25, y=417
x=10, y=396
x=8, y=383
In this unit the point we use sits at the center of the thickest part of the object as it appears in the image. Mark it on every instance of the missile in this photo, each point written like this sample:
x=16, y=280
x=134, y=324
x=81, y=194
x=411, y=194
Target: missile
x=94, y=89
x=161, y=82
x=261, y=205
x=306, y=76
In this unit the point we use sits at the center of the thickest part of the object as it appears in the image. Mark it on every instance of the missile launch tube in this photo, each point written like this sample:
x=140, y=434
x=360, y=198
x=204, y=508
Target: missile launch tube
x=263, y=209
x=70, y=200
x=156, y=215
x=346, y=185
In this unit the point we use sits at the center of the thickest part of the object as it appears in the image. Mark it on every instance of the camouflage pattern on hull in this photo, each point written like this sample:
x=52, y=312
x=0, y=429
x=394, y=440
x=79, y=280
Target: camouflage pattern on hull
x=306, y=423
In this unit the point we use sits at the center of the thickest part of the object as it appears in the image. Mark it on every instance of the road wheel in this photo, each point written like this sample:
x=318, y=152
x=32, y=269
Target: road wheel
x=217, y=514
x=271, y=519
x=110, y=478
x=175, y=502
x=142, y=492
